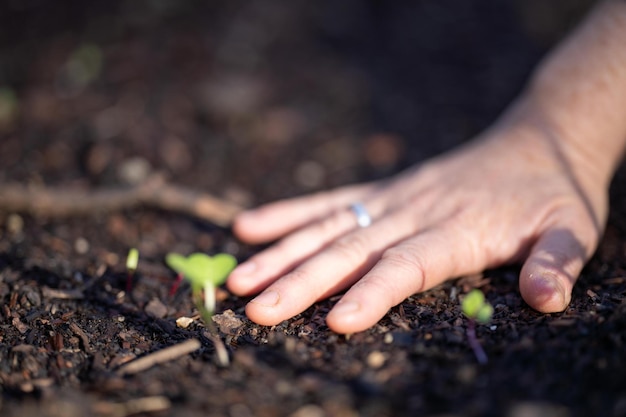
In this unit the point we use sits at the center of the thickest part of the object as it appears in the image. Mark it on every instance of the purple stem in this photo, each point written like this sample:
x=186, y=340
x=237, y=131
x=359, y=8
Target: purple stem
x=175, y=285
x=474, y=343
x=129, y=281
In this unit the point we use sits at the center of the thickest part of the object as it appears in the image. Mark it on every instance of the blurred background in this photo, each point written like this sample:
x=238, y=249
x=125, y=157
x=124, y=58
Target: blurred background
x=260, y=100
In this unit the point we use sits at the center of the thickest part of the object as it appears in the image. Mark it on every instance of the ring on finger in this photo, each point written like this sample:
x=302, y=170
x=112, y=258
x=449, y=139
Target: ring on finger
x=363, y=218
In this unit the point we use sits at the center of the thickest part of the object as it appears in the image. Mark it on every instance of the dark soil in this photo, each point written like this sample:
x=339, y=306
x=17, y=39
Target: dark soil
x=254, y=101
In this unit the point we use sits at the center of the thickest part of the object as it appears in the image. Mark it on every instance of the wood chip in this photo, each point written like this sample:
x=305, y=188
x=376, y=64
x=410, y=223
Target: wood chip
x=21, y=327
x=228, y=322
x=83, y=336
x=75, y=294
x=23, y=348
x=615, y=280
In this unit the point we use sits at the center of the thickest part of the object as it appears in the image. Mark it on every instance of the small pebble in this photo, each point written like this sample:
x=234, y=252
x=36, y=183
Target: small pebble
x=309, y=410
x=537, y=409
x=376, y=359
x=466, y=374
x=155, y=308
x=15, y=224
x=184, y=322
x=134, y=170
x=81, y=246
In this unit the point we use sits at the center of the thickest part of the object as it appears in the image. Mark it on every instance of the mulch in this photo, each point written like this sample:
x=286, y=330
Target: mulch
x=251, y=102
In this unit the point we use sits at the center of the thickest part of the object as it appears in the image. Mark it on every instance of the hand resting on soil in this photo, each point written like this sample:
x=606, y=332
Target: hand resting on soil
x=531, y=189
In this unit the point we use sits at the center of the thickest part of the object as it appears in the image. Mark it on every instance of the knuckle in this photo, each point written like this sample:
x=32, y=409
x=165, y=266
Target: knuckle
x=299, y=277
x=279, y=249
x=352, y=247
x=330, y=225
x=407, y=259
x=388, y=290
x=404, y=258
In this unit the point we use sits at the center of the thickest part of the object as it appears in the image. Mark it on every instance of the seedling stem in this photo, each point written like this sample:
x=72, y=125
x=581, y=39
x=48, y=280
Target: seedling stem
x=476, y=309
x=204, y=273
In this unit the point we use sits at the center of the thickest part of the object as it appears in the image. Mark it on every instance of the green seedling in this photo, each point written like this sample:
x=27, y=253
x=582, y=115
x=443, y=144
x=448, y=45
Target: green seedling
x=132, y=260
x=478, y=310
x=83, y=67
x=9, y=106
x=205, y=274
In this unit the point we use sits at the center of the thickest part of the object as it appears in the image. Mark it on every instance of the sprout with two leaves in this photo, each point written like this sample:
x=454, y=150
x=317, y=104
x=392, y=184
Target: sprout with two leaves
x=205, y=274
x=478, y=310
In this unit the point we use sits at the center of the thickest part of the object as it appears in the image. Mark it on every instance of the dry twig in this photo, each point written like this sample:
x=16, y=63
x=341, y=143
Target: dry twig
x=131, y=407
x=154, y=192
x=83, y=336
x=160, y=356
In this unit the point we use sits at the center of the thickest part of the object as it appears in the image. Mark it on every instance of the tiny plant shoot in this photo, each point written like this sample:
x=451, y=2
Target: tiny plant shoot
x=477, y=310
x=132, y=260
x=204, y=274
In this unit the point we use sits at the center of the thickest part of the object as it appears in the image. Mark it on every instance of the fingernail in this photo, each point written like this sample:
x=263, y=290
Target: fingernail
x=547, y=293
x=557, y=288
x=267, y=299
x=549, y=282
x=346, y=307
x=245, y=268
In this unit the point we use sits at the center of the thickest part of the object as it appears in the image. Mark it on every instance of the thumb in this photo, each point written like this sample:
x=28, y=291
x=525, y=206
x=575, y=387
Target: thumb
x=554, y=264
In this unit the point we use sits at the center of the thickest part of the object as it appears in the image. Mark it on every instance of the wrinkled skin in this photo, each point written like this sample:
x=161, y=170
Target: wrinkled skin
x=530, y=190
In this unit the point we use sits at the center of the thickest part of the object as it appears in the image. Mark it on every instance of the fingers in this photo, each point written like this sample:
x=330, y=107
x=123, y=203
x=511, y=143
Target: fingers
x=274, y=220
x=554, y=264
x=265, y=267
x=412, y=266
x=333, y=269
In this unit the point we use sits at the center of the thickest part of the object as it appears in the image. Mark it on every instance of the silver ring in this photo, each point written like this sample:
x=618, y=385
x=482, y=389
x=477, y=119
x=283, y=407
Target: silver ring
x=363, y=218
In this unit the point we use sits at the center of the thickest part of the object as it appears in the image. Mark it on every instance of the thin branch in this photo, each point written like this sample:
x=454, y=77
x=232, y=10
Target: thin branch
x=160, y=356
x=221, y=353
x=154, y=192
x=132, y=407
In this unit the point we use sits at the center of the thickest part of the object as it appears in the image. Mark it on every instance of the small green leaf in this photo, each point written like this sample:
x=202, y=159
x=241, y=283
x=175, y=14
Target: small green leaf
x=85, y=64
x=484, y=314
x=223, y=264
x=472, y=303
x=177, y=262
x=199, y=268
x=9, y=105
x=132, y=259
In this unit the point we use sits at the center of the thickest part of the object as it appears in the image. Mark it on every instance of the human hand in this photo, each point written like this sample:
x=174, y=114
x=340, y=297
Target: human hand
x=514, y=195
